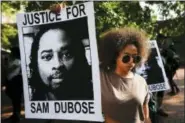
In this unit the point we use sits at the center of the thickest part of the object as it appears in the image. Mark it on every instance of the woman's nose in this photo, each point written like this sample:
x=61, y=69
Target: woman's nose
x=131, y=60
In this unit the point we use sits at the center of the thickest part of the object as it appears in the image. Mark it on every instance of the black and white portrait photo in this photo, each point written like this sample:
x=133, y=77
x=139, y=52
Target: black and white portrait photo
x=59, y=68
x=60, y=65
x=153, y=70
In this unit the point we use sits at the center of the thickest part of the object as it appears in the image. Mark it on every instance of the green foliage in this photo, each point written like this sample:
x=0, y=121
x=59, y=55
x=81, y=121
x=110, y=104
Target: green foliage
x=119, y=14
x=11, y=8
x=44, y=5
x=107, y=15
x=39, y=5
x=8, y=32
x=172, y=26
x=111, y=14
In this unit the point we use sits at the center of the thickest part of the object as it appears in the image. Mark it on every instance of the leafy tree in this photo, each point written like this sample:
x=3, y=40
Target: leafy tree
x=170, y=26
x=9, y=31
x=120, y=14
x=112, y=14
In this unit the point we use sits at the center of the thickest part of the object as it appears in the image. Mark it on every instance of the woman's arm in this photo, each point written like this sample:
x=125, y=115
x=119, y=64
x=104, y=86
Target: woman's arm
x=146, y=113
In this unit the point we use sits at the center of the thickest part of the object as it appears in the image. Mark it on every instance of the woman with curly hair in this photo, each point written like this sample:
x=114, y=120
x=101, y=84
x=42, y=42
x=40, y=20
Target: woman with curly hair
x=125, y=94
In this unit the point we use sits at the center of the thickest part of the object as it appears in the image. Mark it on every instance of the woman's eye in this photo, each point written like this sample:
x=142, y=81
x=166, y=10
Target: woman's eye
x=46, y=57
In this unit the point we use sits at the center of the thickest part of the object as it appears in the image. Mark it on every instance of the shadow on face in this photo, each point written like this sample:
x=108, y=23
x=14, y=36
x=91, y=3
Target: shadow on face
x=55, y=57
x=130, y=50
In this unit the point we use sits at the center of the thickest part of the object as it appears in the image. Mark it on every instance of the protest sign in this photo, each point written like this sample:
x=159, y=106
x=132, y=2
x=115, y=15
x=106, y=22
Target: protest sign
x=60, y=64
x=153, y=70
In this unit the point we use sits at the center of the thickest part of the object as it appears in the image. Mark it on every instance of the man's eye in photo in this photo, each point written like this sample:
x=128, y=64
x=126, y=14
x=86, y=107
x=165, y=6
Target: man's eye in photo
x=66, y=56
x=47, y=57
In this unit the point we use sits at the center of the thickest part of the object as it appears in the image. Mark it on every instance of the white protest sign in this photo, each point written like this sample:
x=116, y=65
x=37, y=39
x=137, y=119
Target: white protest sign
x=60, y=64
x=153, y=70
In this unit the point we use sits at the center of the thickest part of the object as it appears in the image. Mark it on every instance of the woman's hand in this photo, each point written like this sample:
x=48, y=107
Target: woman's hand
x=55, y=8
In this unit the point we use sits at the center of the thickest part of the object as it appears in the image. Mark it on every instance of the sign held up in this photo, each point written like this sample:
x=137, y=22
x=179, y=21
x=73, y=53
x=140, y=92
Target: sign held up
x=153, y=70
x=60, y=64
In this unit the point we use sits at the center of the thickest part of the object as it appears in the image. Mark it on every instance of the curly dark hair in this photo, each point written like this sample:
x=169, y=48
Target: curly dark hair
x=115, y=40
x=81, y=76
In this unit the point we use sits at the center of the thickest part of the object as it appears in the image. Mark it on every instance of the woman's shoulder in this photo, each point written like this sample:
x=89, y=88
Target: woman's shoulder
x=142, y=82
x=140, y=78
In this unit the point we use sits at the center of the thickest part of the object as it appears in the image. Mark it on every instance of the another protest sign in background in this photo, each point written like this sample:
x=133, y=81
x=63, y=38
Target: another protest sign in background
x=153, y=70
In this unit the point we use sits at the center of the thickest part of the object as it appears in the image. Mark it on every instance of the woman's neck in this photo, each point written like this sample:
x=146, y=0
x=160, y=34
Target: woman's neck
x=125, y=74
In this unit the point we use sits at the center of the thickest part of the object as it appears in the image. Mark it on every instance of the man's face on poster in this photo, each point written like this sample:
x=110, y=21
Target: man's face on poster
x=55, y=58
x=142, y=70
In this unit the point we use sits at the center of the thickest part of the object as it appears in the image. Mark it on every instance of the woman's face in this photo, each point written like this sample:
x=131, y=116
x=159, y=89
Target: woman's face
x=130, y=50
x=55, y=58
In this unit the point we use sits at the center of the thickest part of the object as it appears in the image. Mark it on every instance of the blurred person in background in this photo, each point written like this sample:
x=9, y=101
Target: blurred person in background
x=14, y=85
